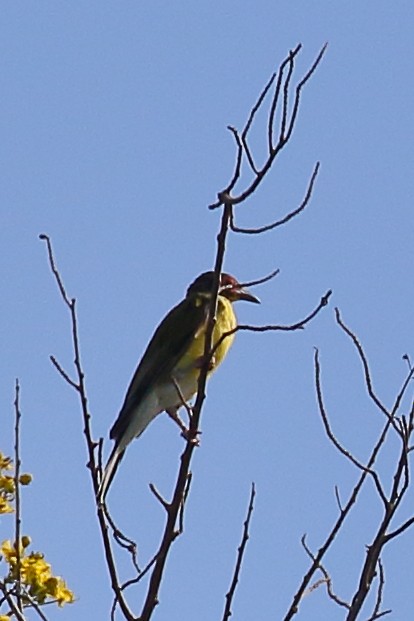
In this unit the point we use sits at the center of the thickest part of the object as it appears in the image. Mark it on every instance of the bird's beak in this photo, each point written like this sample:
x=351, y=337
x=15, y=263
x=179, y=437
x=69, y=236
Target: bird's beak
x=244, y=294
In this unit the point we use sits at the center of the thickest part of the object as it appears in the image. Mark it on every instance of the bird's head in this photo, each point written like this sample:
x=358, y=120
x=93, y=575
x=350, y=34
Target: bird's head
x=229, y=287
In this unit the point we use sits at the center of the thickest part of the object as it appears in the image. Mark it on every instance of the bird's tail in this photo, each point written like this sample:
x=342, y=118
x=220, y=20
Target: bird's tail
x=109, y=472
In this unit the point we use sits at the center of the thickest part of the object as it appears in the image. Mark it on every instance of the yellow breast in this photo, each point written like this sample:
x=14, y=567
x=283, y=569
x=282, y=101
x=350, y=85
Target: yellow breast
x=225, y=321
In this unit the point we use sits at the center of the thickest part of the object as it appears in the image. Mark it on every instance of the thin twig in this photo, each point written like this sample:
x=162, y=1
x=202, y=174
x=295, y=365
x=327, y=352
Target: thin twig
x=326, y=577
x=367, y=374
x=225, y=197
x=333, y=438
x=63, y=373
x=240, y=555
x=292, y=214
x=238, y=163
x=285, y=100
x=11, y=603
x=380, y=591
x=294, y=607
x=260, y=281
x=90, y=443
x=17, y=514
x=158, y=496
x=36, y=607
x=125, y=542
x=183, y=503
x=246, y=129
x=299, y=88
x=338, y=499
x=299, y=325
x=275, y=101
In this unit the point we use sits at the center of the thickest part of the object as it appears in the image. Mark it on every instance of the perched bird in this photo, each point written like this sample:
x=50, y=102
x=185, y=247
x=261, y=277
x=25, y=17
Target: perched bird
x=169, y=369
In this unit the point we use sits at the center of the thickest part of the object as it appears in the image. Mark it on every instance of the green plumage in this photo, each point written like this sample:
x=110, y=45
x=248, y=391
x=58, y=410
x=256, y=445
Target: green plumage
x=174, y=358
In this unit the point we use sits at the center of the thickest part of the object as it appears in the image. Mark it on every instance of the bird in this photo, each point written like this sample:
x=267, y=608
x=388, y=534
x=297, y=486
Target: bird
x=167, y=375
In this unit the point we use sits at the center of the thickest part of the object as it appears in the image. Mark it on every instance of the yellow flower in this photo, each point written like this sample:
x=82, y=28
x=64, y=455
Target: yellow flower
x=5, y=462
x=8, y=551
x=7, y=484
x=57, y=589
x=5, y=507
x=35, y=574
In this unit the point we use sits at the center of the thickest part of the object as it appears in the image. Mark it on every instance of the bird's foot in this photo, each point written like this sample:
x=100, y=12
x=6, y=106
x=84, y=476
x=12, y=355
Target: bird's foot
x=189, y=434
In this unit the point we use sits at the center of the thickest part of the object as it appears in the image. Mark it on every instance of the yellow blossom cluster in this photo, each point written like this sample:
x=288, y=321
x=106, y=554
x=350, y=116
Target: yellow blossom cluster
x=36, y=576
x=37, y=583
x=8, y=484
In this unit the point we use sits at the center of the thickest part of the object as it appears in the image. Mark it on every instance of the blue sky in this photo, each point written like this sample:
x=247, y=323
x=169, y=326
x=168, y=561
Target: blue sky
x=113, y=142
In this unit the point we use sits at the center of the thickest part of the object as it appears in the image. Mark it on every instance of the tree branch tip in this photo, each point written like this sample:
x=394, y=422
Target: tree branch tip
x=325, y=298
x=261, y=281
x=158, y=496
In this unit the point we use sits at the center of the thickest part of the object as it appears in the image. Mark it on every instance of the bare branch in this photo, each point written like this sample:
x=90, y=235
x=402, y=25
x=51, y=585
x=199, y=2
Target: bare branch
x=260, y=281
x=275, y=100
x=36, y=606
x=158, y=496
x=239, y=159
x=338, y=499
x=299, y=87
x=299, y=325
x=225, y=197
x=80, y=387
x=367, y=373
x=123, y=540
x=56, y=274
x=294, y=607
x=240, y=554
x=376, y=614
x=63, y=373
x=17, y=514
x=183, y=504
x=246, y=129
x=333, y=438
x=285, y=219
x=12, y=604
x=326, y=578
x=285, y=100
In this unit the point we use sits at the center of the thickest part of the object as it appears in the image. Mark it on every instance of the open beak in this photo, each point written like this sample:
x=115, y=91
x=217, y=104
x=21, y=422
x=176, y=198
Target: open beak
x=244, y=294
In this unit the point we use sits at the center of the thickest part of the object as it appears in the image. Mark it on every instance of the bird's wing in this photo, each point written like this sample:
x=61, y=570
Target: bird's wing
x=170, y=341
